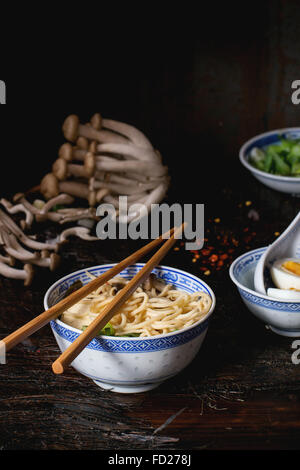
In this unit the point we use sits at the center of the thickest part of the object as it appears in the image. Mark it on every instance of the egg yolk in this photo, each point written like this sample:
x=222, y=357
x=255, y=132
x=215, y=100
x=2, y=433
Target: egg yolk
x=292, y=266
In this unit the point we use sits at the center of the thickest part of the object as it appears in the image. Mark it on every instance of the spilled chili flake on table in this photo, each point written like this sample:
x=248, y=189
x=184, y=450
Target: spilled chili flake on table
x=221, y=244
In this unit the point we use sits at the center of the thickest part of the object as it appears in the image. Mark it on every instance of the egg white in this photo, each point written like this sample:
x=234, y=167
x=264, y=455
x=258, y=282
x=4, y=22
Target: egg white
x=284, y=294
x=282, y=278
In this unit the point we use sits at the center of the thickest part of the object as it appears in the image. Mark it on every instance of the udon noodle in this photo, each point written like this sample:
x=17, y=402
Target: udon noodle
x=154, y=308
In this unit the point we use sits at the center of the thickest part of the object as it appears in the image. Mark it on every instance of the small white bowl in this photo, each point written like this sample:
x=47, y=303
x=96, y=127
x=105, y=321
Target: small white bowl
x=285, y=184
x=131, y=365
x=282, y=317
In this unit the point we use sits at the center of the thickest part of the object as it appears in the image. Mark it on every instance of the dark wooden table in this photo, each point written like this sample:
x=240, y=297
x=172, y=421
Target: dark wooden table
x=240, y=392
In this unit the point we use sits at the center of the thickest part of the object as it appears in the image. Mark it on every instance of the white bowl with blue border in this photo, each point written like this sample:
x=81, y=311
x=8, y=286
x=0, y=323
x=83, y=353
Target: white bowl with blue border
x=131, y=365
x=285, y=184
x=282, y=317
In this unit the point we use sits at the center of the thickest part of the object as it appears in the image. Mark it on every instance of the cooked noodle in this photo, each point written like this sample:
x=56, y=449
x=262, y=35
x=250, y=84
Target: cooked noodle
x=154, y=308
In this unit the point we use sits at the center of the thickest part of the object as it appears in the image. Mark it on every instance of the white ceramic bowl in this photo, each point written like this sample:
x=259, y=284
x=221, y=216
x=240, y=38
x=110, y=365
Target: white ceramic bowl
x=282, y=317
x=131, y=365
x=285, y=184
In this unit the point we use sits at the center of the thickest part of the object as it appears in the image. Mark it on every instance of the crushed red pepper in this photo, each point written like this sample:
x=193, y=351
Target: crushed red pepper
x=224, y=244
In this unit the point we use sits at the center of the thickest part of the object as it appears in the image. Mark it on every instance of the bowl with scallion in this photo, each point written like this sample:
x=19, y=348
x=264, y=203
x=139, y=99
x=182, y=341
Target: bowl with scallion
x=274, y=159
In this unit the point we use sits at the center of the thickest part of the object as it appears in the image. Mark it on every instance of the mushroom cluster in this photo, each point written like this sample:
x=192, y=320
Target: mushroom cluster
x=18, y=247
x=102, y=160
x=105, y=159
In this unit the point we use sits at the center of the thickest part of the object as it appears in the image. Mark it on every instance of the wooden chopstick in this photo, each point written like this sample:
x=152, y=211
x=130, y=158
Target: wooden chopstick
x=53, y=312
x=111, y=309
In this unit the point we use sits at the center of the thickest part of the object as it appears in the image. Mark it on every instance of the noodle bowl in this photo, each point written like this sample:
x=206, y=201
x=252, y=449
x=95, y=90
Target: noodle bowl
x=130, y=364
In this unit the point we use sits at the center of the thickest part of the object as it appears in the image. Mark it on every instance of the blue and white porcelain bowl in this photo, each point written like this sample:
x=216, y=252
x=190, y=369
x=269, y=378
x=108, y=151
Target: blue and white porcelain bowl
x=131, y=365
x=285, y=184
x=282, y=317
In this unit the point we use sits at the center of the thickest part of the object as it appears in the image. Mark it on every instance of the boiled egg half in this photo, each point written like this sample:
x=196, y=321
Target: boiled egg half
x=286, y=277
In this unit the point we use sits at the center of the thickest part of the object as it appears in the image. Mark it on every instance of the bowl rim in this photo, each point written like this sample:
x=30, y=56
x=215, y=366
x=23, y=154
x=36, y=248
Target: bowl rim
x=128, y=338
x=250, y=291
x=246, y=164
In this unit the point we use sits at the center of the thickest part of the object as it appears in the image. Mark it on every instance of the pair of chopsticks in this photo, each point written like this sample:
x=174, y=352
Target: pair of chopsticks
x=67, y=357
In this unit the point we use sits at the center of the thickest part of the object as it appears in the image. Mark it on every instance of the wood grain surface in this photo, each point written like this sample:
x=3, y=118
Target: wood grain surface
x=240, y=392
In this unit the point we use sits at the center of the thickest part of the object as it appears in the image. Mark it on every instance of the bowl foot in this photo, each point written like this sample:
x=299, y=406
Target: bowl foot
x=290, y=333
x=126, y=388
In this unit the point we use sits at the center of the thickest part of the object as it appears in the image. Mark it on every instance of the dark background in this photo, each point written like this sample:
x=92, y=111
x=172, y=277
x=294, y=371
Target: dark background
x=197, y=82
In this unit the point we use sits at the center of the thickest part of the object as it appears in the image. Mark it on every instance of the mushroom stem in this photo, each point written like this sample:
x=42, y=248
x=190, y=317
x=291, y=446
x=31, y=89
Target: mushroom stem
x=13, y=248
x=25, y=274
x=60, y=199
x=9, y=223
x=131, y=132
x=19, y=208
x=129, y=150
x=81, y=232
x=145, y=168
x=7, y=260
x=134, y=134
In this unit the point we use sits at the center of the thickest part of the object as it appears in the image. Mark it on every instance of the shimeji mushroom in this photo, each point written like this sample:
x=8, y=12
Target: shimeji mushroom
x=51, y=187
x=14, y=209
x=82, y=143
x=129, y=151
x=61, y=199
x=61, y=169
x=68, y=152
x=81, y=232
x=104, y=163
x=133, y=134
x=26, y=274
x=72, y=129
x=7, y=260
x=20, y=198
x=52, y=261
x=29, y=242
x=13, y=247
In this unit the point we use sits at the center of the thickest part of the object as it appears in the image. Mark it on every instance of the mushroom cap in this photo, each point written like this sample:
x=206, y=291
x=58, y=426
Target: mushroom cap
x=60, y=169
x=30, y=273
x=45, y=254
x=92, y=198
x=93, y=146
x=49, y=186
x=96, y=121
x=89, y=164
x=82, y=143
x=70, y=127
x=66, y=152
x=54, y=261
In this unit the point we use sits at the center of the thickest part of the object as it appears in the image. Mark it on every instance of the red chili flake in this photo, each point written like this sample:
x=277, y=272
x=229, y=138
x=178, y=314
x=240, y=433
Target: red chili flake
x=213, y=258
x=220, y=263
x=203, y=268
x=205, y=252
x=224, y=256
x=246, y=229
